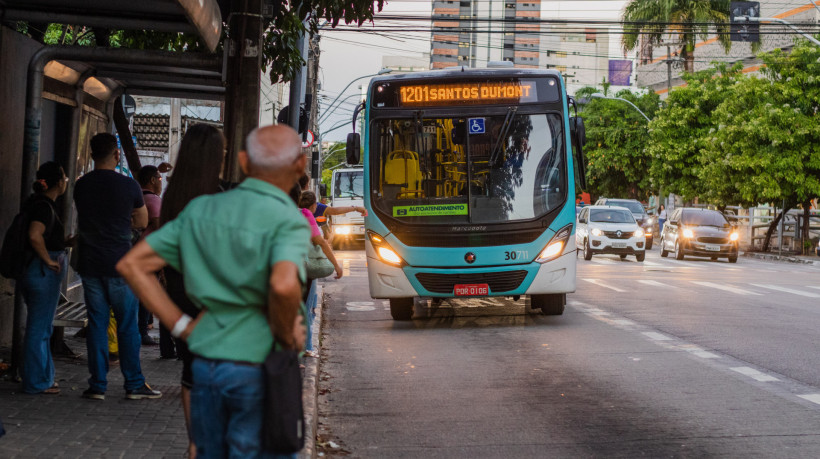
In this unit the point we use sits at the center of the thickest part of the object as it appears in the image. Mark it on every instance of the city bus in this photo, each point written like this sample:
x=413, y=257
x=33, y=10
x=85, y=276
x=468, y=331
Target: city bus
x=469, y=184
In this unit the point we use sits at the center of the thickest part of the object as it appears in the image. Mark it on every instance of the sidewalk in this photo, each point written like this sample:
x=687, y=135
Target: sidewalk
x=786, y=258
x=67, y=425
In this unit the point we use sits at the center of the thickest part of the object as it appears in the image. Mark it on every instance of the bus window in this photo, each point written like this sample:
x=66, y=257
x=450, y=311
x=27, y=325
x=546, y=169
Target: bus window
x=513, y=170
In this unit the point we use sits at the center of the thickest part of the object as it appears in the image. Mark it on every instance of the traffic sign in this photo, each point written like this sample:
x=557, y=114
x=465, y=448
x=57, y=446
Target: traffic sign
x=476, y=125
x=309, y=138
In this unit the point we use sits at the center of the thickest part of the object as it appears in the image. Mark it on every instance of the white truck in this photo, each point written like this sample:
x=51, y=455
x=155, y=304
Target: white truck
x=347, y=188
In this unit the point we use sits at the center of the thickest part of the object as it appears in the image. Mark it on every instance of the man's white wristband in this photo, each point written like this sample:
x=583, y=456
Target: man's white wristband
x=181, y=325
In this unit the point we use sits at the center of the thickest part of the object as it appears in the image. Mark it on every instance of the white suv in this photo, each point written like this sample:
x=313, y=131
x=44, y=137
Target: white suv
x=609, y=229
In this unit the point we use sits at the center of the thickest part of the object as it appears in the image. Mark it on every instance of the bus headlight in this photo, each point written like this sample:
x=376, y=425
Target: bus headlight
x=734, y=236
x=689, y=234
x=383, y=250
x=389, y=256
x=555, y=246
x=342, y=230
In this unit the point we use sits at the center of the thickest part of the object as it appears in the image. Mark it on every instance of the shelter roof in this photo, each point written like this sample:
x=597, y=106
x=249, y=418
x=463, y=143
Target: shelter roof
x=200, y=17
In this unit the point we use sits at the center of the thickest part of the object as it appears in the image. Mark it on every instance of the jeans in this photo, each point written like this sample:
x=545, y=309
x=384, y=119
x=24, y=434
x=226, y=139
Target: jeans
x=41, y=292
x=310, y=303
x=102, y=295
x=227, y=405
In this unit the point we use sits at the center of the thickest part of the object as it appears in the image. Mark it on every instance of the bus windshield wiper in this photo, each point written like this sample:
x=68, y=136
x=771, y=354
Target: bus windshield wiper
x=502, y=134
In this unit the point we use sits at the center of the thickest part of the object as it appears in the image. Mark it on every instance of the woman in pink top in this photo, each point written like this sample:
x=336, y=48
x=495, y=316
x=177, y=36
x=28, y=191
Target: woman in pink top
x=307, y=203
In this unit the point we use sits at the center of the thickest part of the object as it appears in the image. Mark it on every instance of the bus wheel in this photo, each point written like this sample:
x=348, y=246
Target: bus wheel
x=550, y=305
x=401, y=308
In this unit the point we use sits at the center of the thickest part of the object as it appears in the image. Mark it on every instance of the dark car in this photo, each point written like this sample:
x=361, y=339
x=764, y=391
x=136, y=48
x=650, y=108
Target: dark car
x=645, y=221
x=699, y=232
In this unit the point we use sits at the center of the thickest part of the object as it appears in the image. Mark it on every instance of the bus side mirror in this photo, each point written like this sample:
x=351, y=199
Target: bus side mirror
x=578, y=137
x=459, y=134
x=353, y=148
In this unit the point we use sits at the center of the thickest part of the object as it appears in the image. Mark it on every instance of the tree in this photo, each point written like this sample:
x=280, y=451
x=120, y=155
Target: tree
x=766, y=142
x=681, y=130
x=688, y=19
x=617, y=136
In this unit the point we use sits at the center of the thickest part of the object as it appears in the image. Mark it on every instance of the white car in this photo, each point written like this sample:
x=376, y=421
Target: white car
x=609, y=229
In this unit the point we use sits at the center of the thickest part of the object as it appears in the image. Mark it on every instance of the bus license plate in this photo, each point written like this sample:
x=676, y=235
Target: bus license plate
x=713, y=248
x=471, y=289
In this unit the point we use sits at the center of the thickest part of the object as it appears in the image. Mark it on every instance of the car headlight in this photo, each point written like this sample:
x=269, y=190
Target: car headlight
x=597, y=232
x=341, y=230
x=555, y=246
x=639, y=233
x=734, y=236
x=687, y=233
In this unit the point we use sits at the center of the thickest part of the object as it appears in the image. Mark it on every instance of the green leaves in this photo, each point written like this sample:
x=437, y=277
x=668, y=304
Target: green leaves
x=727, y=138
x=616, y=136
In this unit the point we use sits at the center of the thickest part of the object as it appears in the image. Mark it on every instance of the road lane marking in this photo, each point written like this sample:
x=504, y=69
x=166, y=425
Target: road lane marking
x=754, y=374
x=814, y=398
x=656, y=336
x=603, y=261
x=346, y=267
x=654, y=283
x=625, y=322
x=601, y=284
x=360, y=306
x=727, y=288
x=813, y=286
x=787, y=290
x=651, y=263
x=705, y=355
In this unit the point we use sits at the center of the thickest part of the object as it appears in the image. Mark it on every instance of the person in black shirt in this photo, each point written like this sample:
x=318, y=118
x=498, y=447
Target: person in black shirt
x=40, y=283
x=109, y=205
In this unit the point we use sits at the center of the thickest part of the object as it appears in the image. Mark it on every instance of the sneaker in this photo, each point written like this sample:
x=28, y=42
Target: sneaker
x=93, y=394
x=148, y=340
x=143, y=392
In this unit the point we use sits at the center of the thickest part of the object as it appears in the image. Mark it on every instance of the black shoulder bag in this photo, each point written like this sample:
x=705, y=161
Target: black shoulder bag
x=283, y=429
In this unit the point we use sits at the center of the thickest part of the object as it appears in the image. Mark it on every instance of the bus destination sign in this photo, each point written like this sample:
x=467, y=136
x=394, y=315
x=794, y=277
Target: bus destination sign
x=474, y=92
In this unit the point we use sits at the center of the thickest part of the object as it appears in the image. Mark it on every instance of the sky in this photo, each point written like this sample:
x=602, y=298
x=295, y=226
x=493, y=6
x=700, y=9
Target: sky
x=346, y=56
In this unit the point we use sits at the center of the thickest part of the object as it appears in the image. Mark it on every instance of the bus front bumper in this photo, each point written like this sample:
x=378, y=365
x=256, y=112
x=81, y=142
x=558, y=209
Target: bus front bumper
x=389, y=281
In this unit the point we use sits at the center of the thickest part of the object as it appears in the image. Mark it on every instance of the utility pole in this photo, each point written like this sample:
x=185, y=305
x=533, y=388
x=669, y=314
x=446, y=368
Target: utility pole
x=312, y=105
x=670, y=61
x=243, y=79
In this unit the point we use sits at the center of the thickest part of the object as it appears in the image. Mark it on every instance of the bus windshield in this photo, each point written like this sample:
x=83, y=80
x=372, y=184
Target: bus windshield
x=494, y=168
x=349, y=184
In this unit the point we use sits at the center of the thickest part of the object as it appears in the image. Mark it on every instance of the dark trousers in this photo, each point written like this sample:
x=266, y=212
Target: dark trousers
x=167, y=347
x=143, y=319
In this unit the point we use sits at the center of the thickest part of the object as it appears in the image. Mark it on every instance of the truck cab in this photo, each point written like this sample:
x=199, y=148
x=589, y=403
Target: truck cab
x=347, y=188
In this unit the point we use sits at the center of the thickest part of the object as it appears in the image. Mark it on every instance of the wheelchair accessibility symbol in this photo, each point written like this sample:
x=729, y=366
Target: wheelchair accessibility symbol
x=476, y=125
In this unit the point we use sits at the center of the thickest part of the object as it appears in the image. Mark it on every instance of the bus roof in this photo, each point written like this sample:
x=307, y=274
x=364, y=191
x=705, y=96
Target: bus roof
x=457, y=72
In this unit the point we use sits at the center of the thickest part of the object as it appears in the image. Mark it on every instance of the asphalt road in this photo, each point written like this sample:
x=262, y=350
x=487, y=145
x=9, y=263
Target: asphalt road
x=664, y=358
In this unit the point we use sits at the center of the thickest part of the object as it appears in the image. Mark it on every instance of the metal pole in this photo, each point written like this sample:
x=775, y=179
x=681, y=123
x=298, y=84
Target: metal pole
x=243, y=80
x=297, y=87
x=780, y=233
x=781, y=21
x=668, y=70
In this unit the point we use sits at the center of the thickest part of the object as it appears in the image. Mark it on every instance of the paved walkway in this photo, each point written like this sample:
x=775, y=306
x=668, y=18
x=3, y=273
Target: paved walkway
x=68, y=425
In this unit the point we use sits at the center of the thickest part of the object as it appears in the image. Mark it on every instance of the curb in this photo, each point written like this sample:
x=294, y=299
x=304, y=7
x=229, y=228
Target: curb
x=310, y=382
x=780, y=258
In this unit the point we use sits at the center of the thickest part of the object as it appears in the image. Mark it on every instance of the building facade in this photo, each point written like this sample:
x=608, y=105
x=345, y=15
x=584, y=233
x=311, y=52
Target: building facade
x=652, y=70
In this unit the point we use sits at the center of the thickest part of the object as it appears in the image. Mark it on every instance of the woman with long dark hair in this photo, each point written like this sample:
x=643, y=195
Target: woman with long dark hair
x=40, y=282
x=196, y=173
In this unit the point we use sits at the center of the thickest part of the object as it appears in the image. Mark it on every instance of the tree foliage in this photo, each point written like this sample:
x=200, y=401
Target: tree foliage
x=616, y=139
x=680, y=131
x=688, y=19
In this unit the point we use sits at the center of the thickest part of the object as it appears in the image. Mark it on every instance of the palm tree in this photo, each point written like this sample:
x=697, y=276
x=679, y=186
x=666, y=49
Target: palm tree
x=689, y=19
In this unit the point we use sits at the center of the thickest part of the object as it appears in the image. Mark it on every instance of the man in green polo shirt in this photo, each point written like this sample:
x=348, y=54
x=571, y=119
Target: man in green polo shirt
x=242, y=254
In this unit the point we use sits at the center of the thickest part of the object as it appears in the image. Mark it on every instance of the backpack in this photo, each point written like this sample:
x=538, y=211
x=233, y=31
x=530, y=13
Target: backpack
x=16, y=252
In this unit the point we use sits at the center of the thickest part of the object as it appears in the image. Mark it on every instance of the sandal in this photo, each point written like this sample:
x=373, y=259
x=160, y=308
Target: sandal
x=53, y=390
